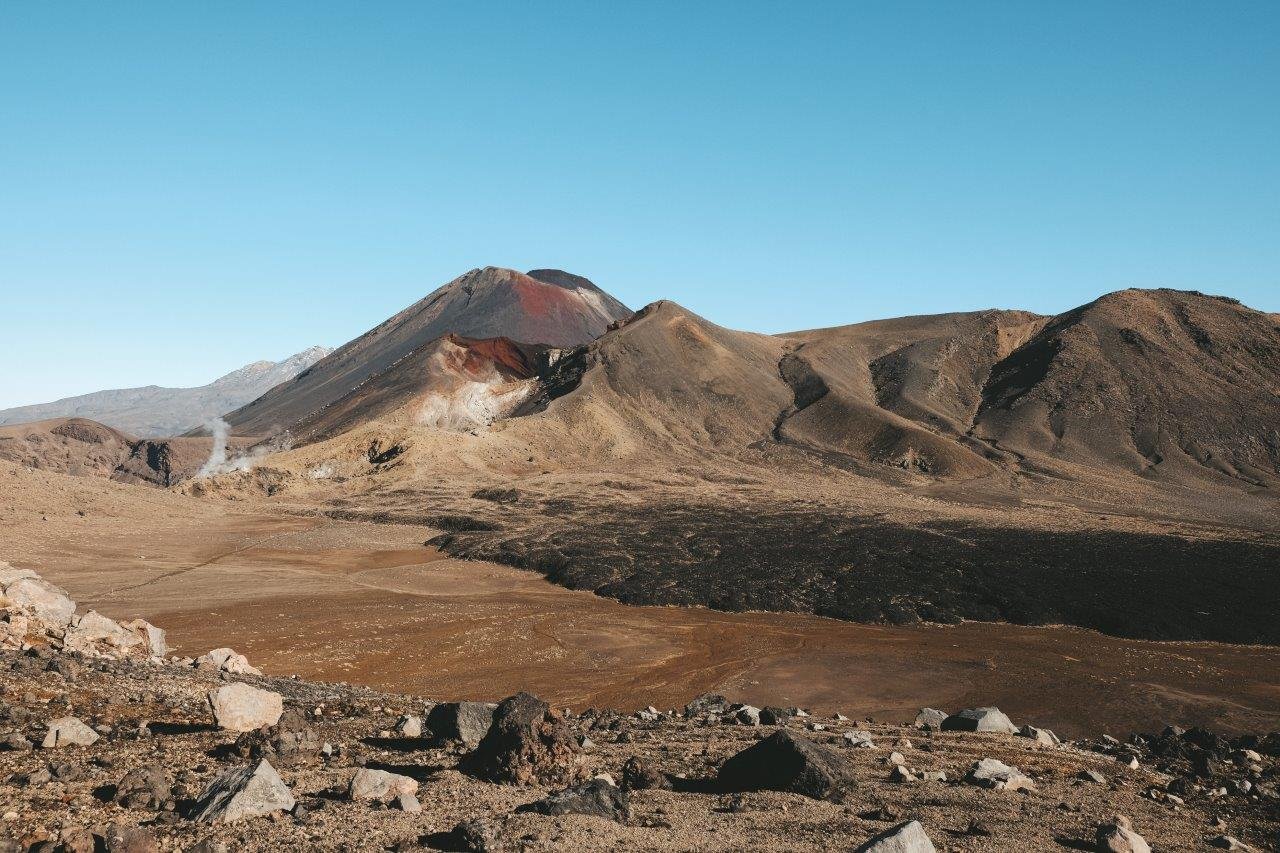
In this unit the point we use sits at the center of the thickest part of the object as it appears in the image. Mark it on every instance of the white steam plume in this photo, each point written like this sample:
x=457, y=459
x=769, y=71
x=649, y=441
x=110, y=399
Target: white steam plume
x=220, y=463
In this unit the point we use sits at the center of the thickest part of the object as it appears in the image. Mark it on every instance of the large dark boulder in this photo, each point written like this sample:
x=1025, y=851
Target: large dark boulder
x=787, y=762
x=527, y=743
x=597, y=798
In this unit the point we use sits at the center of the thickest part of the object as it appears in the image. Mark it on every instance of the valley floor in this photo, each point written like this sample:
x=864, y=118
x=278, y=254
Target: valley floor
x=370, y=604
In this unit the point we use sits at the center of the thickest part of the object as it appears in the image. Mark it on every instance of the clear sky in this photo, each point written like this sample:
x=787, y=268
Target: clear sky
x=186, y=187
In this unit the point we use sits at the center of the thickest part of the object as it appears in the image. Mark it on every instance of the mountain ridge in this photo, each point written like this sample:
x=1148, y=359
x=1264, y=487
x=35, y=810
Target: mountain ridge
x=155, y=411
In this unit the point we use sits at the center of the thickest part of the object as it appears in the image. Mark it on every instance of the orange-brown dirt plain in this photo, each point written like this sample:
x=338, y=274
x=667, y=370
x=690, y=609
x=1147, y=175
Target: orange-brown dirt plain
x=368, y=603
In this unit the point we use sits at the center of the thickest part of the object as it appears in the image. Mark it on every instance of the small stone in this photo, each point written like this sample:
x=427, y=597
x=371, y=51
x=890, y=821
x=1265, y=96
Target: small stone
x=408, y=803
x=1118, y=836
x=1091, y=776
x=858, y=739
x=1040, y=736
x=379, y=785
x=597, y=798
x=901, y=774
x=930, y=718
x=409, y=726
x=68, y=731
x=128, y=839
x=990, y=773
x=908, y=837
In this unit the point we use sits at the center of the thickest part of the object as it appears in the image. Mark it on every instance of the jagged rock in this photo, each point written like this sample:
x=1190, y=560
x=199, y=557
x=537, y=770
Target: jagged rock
x=747, y=715
x=930, y=718
x=379, y=785
x=288, y=742
x=638, y=776
x=858, y=739
x=467, y=722
x=990, y=773
x=143, y=788
x=906, y=837
x=1044, y=737
x=1227, y=842
x=786, y=762
x=153, y=639
x=979, y=720
x=1091, y=776
x=15, y=742
x=243, y=793
x=68, y=731
x=76, y=840
x=226, y=660
x=707, y=703
x=1118, y=836
x=528, y=742
x=408, y=803
x=479, y=835
x=94, y=634
x=597, y=798
x=242, y=708
x=774, y=716
x=38, y=599
x=901, y=774
x=409, y=726
x=118, y=838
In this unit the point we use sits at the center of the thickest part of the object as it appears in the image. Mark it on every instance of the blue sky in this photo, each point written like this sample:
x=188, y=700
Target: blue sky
x=186, y=187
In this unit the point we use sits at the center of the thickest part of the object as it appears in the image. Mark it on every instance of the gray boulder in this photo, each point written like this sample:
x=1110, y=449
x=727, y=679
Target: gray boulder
x=906, y=837
x=243, y=793
x=930, y=718
x=786, y=762
x=597, y=798
x=467, y=722
x=990, y=773
x=979, y=720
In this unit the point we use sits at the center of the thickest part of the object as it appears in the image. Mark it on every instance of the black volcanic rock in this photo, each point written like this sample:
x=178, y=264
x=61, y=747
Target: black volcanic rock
x=786, y=762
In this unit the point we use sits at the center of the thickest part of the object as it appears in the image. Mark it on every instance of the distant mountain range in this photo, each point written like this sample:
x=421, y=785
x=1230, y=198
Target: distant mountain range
x=153, y=412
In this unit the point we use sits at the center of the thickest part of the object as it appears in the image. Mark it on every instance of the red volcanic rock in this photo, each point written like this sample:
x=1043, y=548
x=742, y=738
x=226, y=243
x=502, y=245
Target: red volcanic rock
x=548, y=307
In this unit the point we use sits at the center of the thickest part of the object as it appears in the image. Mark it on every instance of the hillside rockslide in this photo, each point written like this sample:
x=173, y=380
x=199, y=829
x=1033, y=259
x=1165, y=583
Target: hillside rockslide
x=109, y=745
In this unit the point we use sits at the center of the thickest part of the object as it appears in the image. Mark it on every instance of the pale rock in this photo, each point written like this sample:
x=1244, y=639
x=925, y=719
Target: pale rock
x=153, y=638
x=1118, y=836
x=242, y=708
x=998, y=776
x=39, y=598
x=226, y=660
x=68, y=731
x=906, y=837
x=243, y=793
x=368, y=784
x=1045, y=737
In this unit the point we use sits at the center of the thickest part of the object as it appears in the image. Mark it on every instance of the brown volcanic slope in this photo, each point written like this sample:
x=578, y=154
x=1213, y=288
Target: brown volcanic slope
x=82, y=447
x=548, y=307
x=450, y=383
x=1167, y=384
x=876, y=472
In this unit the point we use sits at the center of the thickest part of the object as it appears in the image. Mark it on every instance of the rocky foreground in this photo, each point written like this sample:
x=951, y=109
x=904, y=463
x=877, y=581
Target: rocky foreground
x=110, y=744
